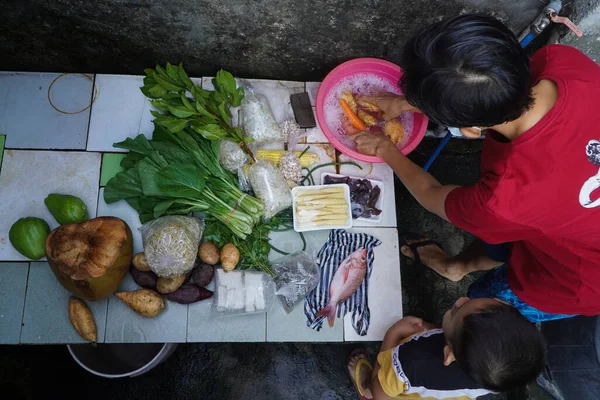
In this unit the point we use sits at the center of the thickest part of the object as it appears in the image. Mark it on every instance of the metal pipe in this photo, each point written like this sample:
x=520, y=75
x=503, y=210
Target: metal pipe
x=543, y=20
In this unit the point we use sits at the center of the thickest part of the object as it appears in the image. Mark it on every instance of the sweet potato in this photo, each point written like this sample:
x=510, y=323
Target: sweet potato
x=140, y=263
x=82, y=319
x=189, y=293
x=230, y=256
x=203, y=274
x=146, y=279
x=168, y=285
x=209, y=253
x=145, y=302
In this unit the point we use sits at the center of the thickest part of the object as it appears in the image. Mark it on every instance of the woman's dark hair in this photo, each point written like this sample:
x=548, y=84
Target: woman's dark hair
x=467, y=71
x=499, y=348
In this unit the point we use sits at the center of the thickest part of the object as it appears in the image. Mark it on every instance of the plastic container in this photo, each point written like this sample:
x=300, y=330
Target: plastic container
x=382, y=69
x=299, y=189
x=374, y=182
x=120, y=360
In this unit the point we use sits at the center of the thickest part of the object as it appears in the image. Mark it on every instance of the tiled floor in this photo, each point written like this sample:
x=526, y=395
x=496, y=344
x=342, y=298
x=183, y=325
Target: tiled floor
x=313, y=88
x=27, y=177
x=117, y=112
x=30, y=121
x=207, y=325
x=111, y=165
x=13, y=283
x=282, y=327
x=45, y=319
x=30, y=294
x=385, y=289
x=125, y=326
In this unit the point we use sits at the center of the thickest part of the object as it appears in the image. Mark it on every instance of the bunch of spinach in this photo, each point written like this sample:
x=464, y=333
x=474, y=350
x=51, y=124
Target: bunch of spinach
x=206, y=112
x=178, y=173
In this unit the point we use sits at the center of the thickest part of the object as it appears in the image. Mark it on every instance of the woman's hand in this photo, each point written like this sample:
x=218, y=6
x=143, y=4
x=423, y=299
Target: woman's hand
x=392, y=105
x=371, y=145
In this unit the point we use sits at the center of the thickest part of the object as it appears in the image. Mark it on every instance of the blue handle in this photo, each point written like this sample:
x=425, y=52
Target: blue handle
x=526, y=40
x=437, y=151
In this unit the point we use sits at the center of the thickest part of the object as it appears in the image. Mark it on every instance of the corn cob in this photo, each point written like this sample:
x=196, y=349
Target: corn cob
x=306, y=160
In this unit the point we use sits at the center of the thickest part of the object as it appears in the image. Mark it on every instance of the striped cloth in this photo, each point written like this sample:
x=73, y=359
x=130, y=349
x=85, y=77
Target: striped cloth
x=340, y=245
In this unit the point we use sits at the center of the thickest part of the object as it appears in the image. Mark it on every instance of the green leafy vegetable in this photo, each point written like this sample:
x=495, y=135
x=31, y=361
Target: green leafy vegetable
x=255, y=249
x=175, y=174
x=207, y=112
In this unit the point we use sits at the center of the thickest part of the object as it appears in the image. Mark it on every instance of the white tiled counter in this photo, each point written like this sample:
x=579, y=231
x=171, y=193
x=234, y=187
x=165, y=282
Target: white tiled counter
x=53, y=152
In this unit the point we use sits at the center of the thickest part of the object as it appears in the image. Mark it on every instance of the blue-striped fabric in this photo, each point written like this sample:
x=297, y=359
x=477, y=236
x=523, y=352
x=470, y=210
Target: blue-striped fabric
x=338, y=247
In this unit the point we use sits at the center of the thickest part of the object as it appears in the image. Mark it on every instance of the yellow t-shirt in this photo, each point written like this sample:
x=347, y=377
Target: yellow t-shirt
x=415, y=370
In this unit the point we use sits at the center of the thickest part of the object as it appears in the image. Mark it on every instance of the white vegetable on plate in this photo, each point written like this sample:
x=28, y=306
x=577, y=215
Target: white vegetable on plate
x=325, y=206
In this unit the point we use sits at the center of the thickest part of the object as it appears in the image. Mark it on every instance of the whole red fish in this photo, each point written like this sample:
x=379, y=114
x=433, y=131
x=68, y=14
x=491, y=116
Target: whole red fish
x=346, y=279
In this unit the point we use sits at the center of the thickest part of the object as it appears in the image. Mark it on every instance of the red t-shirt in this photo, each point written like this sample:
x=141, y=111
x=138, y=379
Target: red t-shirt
x=538, y=192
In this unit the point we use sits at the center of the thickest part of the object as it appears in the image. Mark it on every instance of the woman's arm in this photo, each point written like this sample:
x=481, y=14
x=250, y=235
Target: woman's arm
x=421, y=184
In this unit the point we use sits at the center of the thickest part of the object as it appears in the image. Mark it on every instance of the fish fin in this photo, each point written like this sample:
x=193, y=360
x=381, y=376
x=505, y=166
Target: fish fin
x=329, y=312
x=345, y=273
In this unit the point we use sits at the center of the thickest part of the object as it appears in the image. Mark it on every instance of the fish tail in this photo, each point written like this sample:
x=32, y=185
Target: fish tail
x=329, y=312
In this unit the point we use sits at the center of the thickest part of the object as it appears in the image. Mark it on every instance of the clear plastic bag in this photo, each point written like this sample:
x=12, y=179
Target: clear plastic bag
x=258, y=121
x=171, y=244
x=243, y=292
x=243, y=183
x=270, y=187
x=290, y=165
x=297, y=274
x=231, y=156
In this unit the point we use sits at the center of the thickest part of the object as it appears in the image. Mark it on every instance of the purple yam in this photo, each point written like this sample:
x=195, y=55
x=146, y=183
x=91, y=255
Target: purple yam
x=189, y=293
x=146, y=279
x=203, y=274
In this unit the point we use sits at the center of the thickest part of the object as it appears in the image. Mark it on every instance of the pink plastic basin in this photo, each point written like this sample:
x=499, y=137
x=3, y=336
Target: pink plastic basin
x=384, y=70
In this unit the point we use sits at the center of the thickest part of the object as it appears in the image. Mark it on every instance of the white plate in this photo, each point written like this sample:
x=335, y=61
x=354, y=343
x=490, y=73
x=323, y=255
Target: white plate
x=318, y=187
x=374, y=182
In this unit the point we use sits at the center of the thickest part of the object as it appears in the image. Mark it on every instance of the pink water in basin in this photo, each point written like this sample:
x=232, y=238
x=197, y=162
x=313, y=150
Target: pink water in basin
x=363, y=76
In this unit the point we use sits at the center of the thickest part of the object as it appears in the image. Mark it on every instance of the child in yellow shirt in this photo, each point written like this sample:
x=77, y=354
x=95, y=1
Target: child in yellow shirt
x=484, y=346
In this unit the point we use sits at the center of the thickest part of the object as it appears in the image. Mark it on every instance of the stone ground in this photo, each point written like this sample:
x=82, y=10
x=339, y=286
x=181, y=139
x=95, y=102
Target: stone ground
x=260, y=371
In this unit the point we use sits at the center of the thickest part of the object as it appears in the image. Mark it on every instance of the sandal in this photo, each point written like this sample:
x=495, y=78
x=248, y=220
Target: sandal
x=415, y=246
x=362, y=362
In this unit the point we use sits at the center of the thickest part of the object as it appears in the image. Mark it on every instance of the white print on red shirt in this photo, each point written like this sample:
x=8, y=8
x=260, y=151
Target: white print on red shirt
x=592, y=150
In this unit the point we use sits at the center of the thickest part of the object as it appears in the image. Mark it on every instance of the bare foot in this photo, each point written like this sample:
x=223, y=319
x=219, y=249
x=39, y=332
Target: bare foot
x=433, y=256
x=364, y=374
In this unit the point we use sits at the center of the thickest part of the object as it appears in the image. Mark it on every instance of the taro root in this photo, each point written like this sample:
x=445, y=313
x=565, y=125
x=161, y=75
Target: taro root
x=90, y=259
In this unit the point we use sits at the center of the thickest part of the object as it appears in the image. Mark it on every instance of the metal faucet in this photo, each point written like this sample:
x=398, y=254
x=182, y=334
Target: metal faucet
x=543, y=20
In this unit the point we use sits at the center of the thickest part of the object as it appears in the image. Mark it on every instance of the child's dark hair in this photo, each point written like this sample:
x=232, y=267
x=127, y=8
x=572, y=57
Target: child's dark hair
x=467, y=71
x=499, y=348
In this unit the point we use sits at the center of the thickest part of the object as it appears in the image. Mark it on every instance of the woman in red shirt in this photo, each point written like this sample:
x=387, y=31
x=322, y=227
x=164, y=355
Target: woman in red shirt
x=538, y=189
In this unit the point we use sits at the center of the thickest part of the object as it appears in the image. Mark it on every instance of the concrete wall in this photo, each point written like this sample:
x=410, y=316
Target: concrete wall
x=294, y=39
